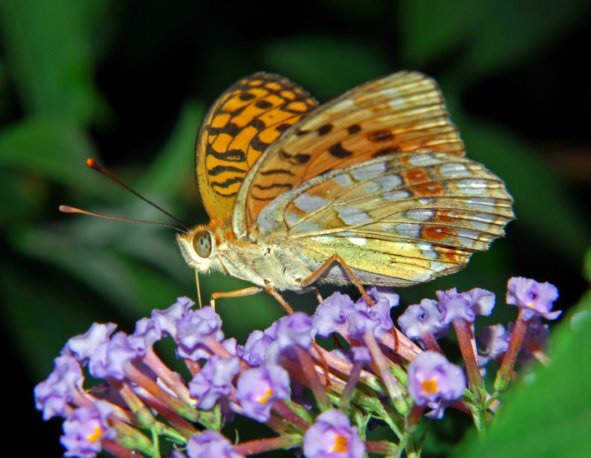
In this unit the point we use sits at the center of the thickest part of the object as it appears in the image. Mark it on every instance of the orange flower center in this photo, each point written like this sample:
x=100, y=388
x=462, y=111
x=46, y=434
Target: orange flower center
x=263, y=399
x=340, y=444
x=430, y=386
x=96, y=435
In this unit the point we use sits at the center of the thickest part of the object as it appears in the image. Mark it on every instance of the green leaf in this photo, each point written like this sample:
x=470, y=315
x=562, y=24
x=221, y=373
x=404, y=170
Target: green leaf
x=429, y=30
x=175, y=164
x=587, y=265
x=48, y=149
x=549, y=414
x=489, y=35
x=507, y=33
x=329, y=65
x=50, y=52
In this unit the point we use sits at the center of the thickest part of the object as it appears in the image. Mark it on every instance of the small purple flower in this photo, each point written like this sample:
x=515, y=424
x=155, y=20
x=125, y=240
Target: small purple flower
x=214, y=381
x=433, y=378
x=534, y=299
x=464, y=306
x=384, y=300
x=294, y=330
x=455, y=306
x=494, y=341
x=421, y=319
x=211, y=444
x=86, y=428
x=256, y=346
x=168, y=318
x=147, y=332
x=53, y=394
x=84, y=346
x=193, y=331
x=231, y=346
x=258, y=388
x=482, y=301
x=332, y=313
x=360, y=323
x=332, y=436
x=111, y=358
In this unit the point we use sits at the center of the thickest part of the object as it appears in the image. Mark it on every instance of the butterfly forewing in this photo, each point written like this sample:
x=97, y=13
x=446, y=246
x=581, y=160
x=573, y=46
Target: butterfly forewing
x=397, y=219
x=251, y=115
x=403, y=112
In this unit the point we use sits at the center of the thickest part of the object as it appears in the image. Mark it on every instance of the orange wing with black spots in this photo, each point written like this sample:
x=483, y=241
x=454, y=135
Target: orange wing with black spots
x=401, y=113
x=250, y=116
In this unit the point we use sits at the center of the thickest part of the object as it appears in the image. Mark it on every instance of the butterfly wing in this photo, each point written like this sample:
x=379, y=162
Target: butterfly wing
x=397, y=220
x=403, y=112
x=239, y=127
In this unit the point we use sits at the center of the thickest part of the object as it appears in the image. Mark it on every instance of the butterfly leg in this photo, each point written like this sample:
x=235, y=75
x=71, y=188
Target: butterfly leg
x=236, y=293
x=314, y=290
x=273, y=293
x=251, y=290
x=335, y=258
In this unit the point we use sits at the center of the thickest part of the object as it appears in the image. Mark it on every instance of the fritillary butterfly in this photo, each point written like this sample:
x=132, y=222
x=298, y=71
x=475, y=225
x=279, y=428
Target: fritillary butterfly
x=371, y=187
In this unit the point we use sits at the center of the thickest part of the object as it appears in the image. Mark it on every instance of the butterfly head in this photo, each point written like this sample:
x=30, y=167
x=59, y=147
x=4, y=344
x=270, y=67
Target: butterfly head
x=198, y=247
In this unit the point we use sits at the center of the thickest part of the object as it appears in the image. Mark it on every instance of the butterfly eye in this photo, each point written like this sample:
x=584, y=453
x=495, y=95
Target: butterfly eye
x=202, y=244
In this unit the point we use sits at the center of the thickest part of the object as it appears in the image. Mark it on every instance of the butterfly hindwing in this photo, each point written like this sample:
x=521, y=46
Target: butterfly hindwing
x=247, y=118
x=397, y=219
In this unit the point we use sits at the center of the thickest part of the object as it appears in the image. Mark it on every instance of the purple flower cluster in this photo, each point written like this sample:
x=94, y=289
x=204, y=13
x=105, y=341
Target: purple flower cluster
x=377, y=366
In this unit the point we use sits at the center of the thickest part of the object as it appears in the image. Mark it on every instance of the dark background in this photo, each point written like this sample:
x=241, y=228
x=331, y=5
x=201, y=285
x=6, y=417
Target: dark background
x=128, y=83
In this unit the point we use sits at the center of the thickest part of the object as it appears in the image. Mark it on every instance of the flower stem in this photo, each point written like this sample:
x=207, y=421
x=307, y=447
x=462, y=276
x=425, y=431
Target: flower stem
x=391, y=384
x=506, y=370
x=468, y=350
x=307, y=366
x=284, y=442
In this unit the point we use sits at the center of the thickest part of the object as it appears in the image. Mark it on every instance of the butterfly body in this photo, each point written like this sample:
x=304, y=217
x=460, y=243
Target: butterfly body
x=266, y=263
x=374, y=180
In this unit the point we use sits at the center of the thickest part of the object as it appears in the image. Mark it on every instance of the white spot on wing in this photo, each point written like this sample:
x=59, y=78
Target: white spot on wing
x=343, y=180
x=472, y=187
x=396, y=195
x=426, y=201
x=359, y=241
x=389, y=182
x=454, y=170
x=437, y=266
x=482, y=221
x=466, y=237
x=291, y=219
x=309, y=203
x=369, y=171
x=423, y=160
x=408, y=230
x=353, y=216
x=427, y=250
x=420, y=214
x=483, y=204
x=371, y=187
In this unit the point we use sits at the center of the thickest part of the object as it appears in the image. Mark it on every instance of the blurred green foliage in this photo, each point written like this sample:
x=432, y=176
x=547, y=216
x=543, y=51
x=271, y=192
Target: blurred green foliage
x=128, y=84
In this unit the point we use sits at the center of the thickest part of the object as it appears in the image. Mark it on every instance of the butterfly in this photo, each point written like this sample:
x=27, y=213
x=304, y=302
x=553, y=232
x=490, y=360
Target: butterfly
x=369, y=188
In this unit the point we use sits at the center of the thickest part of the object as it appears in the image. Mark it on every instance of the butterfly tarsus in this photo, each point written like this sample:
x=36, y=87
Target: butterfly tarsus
x=251, y=290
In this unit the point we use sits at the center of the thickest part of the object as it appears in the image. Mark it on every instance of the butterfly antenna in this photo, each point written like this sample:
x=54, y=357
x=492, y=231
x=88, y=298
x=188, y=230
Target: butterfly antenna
x=91, y=163
x=68, y=209
x=198, y=283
